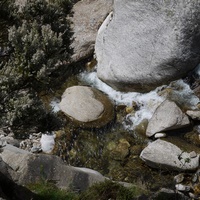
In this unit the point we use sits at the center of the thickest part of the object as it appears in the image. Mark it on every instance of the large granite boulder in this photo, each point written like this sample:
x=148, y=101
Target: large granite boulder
x=88, y=15
x=148, y=43
x=87, y=106
x=25, y=168
x=165, y=155
x=168, y=116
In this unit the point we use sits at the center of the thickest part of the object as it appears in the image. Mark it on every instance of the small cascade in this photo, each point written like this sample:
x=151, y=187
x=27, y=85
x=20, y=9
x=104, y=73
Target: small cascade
x=147, y=103
x=55, y=105
x=105, y=149
x=182, y=94
x=177, y=91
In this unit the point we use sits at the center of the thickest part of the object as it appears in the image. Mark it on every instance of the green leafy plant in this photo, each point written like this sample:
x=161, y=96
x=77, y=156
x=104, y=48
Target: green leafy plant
x=110, y=190
x=48, y=191
x=99, y=191
x=7, y=10
x=39, y=46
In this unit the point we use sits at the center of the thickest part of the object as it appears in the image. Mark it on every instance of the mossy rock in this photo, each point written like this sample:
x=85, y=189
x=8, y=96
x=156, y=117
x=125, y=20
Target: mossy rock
x=120, y=150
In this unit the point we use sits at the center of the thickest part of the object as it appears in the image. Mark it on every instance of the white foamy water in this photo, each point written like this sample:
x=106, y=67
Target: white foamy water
x=119, y=98
x=183, y=94
x=55, y=105
x=147, y=102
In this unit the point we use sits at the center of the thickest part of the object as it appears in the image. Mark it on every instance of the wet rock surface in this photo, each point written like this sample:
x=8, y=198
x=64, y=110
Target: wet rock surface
x=119, y=151
x=188, y=184
x=168, y=116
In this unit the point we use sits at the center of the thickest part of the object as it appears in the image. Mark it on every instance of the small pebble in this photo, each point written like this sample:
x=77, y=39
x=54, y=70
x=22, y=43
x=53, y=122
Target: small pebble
x=196, y=189
x=36, y=150
x=179, y=178
x=192, y=195
x=160, y=135
x=181, y=187
x=129, y=109
x=195, y=178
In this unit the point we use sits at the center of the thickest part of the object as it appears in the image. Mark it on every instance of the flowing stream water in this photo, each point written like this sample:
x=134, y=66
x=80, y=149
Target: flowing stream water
x=178, y=91
x=147, y=102
x=96, y=149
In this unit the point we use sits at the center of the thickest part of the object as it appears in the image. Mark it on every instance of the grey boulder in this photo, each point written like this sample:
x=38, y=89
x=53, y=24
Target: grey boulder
x=87, y=106
x=87, y=17
x=27, y=168
x=165, y=155
x=168, y=116
x=148, y=43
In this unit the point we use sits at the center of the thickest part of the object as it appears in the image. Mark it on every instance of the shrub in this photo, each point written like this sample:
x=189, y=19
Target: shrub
x=39, y=43
x=48, y=191
x=109, y=190
x=99, y=191
x=7, y=10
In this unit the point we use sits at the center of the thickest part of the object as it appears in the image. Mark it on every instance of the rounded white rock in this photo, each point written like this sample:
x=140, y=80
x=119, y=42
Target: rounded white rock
x=160, y=135
x=47, y=143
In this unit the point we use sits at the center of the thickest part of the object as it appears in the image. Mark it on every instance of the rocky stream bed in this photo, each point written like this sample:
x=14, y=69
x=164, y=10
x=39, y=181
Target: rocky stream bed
x=149, y=139
x=119, y=150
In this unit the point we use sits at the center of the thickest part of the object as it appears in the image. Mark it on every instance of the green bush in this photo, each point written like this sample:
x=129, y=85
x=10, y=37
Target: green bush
x=7, y=10
x=48, y=191
x=36, y=53
x=39, y=43
x=99, y=191
x=109, y=190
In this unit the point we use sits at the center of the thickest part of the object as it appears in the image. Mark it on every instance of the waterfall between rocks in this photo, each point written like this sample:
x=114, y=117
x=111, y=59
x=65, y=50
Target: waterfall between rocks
x=146, y=102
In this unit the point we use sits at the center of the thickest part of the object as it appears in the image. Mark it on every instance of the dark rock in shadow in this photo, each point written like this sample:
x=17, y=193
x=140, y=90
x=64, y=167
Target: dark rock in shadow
x=9, y=190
